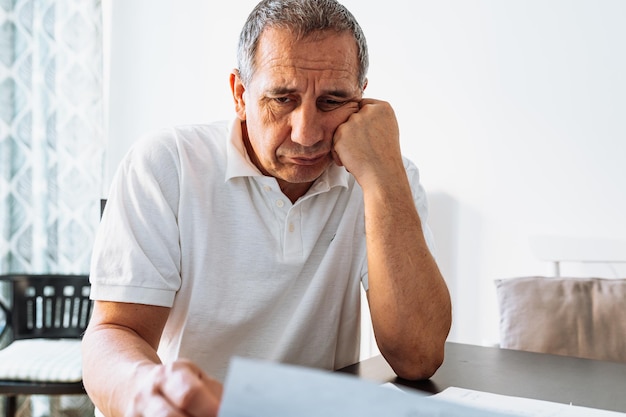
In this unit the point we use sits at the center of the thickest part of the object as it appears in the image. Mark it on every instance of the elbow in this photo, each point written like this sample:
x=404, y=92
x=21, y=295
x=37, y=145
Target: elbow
x=419, y=370
x=416, y=364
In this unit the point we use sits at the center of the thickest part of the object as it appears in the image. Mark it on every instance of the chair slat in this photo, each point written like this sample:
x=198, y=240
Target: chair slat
x=50, y=306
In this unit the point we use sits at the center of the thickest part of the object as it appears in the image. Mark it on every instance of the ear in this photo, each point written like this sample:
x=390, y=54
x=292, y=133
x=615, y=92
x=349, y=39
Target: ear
x=365, y=84
x=237, y=88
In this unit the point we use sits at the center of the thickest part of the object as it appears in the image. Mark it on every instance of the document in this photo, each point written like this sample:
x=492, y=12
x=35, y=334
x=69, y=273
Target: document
x=263, y=389
x=256, y=388
x=520, y=406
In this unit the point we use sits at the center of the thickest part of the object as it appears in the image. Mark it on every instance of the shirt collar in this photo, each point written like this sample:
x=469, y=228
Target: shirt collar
x=238, y=164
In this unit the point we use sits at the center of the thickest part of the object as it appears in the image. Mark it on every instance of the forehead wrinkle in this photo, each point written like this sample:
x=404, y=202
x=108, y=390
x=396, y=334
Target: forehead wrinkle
x=327, y=67
x=280, y=82
x=274, y=44
x=282, y=58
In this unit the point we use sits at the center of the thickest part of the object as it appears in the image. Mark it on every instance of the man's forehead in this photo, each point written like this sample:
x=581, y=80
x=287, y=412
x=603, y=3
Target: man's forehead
x=278, y=45
x=283, y=61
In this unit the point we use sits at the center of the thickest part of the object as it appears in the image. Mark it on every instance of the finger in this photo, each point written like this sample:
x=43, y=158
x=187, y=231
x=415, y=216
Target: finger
x=336, y=158
x=367, y=101
x=158, y=406
x=333, y=152
x=189, y=389
x=150, y=401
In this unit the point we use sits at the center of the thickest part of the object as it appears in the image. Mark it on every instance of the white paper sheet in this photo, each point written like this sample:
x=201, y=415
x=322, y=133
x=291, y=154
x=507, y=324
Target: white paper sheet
x=520, y=406
x=261, y=389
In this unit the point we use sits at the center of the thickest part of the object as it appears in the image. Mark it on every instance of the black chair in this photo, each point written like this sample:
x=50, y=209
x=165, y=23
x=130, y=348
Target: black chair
x=44, y=323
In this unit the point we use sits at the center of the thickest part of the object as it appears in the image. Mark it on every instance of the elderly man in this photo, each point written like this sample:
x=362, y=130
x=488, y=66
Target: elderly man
x=254, y=238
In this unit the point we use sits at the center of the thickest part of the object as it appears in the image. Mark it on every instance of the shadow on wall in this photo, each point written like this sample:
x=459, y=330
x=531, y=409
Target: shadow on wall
x=457, y=232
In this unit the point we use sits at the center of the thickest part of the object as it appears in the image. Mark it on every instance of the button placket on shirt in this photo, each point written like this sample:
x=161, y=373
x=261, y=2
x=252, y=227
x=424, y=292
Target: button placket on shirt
x=288, y=219
x=293, y=233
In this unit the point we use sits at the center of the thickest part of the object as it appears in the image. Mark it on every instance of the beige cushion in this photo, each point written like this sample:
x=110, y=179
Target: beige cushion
x=42, y=360
x=584, y=317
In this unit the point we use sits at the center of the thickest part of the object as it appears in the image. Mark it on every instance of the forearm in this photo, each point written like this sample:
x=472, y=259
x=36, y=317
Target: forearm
x=119, y=352
x=409, y=300
x=114, y=360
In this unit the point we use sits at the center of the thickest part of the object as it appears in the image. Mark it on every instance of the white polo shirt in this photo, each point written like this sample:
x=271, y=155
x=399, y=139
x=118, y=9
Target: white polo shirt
x=192, y=224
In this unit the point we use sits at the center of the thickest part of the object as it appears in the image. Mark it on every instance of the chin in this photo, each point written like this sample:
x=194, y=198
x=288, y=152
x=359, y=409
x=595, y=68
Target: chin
x=306, y=174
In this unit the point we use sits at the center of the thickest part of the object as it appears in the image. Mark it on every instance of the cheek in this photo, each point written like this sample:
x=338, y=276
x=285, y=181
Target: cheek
x=265, y=143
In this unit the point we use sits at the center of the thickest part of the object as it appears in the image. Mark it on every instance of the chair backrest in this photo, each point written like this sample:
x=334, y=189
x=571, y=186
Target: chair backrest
x=608, y=253
x=48, y=306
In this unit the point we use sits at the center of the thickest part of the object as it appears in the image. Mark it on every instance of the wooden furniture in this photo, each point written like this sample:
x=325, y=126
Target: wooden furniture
x=540, y=376
x=561, y=249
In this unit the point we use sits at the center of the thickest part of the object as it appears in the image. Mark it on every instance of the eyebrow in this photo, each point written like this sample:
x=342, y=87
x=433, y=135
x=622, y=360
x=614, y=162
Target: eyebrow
x=286, y=90
x=280, y=91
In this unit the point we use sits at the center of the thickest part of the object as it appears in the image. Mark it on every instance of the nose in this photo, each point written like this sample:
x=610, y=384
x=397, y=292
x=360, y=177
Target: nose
x=306, y=125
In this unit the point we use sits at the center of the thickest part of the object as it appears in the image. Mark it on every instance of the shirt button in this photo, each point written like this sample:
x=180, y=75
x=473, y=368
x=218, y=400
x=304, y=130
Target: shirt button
x=280, y=203
x=267, y=188
x=291, y=227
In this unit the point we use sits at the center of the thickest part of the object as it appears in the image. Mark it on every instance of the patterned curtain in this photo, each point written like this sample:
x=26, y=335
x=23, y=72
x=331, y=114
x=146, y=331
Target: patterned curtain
x=51, y=134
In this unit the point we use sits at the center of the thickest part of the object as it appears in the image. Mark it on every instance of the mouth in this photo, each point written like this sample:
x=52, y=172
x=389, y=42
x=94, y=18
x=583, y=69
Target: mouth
x=307, y=160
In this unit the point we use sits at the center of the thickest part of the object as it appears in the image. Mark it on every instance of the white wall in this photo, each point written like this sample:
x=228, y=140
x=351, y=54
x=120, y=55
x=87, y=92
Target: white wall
x=515, y=112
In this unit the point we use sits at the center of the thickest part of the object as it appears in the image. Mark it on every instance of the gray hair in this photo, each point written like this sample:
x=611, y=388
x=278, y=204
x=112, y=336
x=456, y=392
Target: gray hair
x=302, y=18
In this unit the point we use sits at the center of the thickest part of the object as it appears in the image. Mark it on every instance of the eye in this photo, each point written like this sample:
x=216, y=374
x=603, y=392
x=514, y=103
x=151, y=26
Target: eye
x=328, y=104
x=282, y=100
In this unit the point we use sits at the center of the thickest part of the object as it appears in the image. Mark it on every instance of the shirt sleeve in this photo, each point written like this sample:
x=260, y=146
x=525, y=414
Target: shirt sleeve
x=421, y=202
x=136, y=256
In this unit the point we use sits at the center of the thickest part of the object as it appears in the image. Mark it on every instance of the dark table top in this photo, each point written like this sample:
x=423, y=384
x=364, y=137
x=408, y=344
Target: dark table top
x=555, y=378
